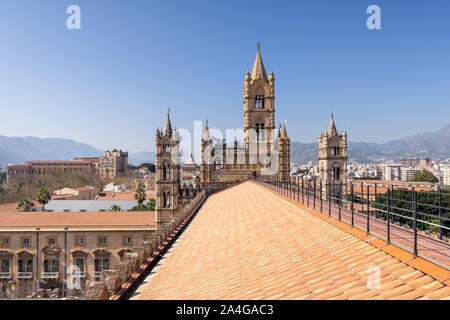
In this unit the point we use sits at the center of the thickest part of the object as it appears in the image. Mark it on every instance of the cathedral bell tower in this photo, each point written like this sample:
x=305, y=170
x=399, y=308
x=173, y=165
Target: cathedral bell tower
x=167, y=173
x=333, y=155
x=259, y=97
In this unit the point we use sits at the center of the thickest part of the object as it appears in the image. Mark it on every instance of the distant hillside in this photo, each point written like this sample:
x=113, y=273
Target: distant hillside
x=141, y=157
x=429, y=144
x=21, y=149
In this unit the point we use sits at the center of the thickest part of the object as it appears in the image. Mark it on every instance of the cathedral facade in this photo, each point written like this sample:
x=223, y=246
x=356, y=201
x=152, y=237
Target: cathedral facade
x=264, y=149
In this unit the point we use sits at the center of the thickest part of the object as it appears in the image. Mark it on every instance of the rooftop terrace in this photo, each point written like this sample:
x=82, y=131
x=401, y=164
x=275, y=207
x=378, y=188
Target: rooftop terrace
x=248, y=243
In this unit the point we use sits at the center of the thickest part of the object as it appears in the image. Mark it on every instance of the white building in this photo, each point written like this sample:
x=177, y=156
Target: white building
x=447, y=176
x=407, y=173
x=392, y=171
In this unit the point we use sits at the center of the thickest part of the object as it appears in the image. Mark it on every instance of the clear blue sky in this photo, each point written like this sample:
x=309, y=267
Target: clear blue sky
x=110, y=83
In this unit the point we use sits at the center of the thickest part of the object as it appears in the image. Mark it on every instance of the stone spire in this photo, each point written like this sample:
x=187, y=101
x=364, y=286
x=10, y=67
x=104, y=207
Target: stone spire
x=168, y=126
x=206, y=136
x=190, y=160
x=332, y=128
x=258, y=67
x=283, y=132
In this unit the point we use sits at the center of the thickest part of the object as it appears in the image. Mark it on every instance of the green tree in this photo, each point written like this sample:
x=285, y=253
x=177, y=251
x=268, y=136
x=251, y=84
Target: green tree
x=149, y=166
x=40, y=184
x=116, y=208
x=25, y=204
x=43, y=197
x=151, y=204
x=424, y=176
x=140, y=195
x=1, y=192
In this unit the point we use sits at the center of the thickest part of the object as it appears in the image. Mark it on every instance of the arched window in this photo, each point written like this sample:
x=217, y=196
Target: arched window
x=335, y=151
x=167, y=198
x=335, y=173
x=259, y=101
x=257, y=131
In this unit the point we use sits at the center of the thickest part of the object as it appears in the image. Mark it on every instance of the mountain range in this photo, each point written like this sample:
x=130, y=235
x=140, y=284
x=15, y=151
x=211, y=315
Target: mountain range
x=435, y=145
x=428, y=144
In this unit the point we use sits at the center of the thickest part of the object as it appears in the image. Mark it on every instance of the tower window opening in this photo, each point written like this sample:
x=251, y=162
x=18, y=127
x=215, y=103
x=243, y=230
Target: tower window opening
x=335, y=151
x=335, y=173
x=259, y=101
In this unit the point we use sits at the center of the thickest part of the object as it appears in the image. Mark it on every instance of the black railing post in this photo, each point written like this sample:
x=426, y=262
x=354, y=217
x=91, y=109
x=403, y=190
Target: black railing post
x=329, y=199
x=321, y=210
x=340, y=199
x=415, y=220
x=376, y=211
x=388, y=209
x=314, y=192
x=298, y=188
x=303, y=192
x=351, y=204
x=440, y=213
x=368, y=209
x=308, y=192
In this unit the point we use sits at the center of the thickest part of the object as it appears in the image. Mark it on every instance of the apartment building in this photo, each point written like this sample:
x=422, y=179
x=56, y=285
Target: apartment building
x=446, y=176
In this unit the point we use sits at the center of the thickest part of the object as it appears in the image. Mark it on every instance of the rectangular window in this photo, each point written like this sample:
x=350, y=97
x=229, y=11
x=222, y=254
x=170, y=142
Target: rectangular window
x=25, y=265
x=79, y=262
x=51, y=241
x=50, y=265
x=5, y=265
x=26, y=243
x=102, y=241
x=79, y=241
x=128, y=240
x=101, y=264
x=5, y=242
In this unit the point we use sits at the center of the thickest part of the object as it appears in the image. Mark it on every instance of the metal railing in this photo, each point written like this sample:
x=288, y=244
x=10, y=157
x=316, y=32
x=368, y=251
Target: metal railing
x=414, y=219
x=5, y=275
x=80, y=274
x=49, y=275
x=97, y=274
x=24, y=275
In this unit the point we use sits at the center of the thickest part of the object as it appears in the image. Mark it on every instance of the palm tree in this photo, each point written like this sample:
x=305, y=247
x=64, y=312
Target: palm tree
x=43, y=197
x=25, y=204
x=40, y=184
x=116, y=208
x=140, y=195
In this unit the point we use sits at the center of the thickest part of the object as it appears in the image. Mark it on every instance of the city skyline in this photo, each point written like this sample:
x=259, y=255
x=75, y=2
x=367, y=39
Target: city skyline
x=113, y=76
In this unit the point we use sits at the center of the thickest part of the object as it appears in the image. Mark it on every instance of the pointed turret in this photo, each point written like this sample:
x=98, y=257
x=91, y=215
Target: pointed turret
x=332, y=128
x=283, y=132
x=168, y=126
x=190, y=160
x=206, y=136
x=258, y=67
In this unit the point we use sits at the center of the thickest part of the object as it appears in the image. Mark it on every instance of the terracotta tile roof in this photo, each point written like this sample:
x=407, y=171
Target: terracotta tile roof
x=71, y=219
x=248, y=243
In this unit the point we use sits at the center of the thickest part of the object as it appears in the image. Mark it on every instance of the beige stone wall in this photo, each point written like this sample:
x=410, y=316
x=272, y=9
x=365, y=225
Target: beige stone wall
x=65, y=245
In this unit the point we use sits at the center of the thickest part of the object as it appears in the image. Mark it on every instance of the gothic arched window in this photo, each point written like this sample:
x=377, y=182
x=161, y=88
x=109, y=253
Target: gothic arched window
x=259, y=101
x=335, y=173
